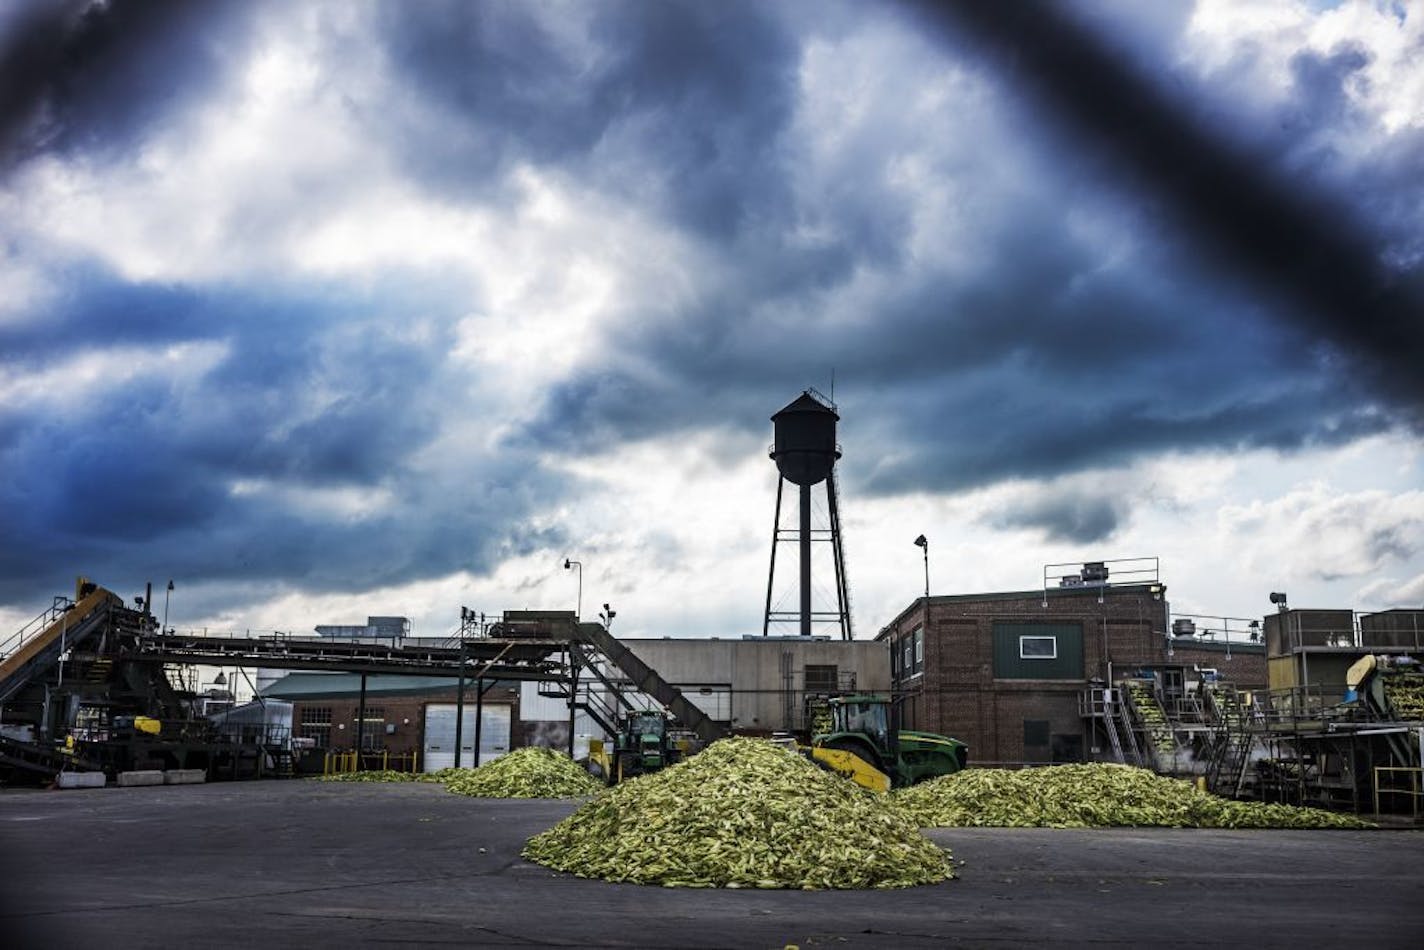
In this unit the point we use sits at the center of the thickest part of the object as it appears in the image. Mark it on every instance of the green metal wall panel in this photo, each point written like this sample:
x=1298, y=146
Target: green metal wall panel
x=1067, y=639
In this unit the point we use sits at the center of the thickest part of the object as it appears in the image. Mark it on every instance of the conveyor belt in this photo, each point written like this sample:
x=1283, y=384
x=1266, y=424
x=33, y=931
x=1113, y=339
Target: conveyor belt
x=647, y=680
x=35, y=655
x=36, y=758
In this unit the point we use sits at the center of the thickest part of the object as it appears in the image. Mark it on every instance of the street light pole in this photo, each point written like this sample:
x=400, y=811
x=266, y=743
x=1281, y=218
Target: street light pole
x=569, y=565
x=923, y=542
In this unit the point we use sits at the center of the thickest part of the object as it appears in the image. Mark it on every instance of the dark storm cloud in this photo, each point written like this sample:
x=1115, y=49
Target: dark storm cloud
x=1044, y=362
x=93, y=75
x=316, y=391
x=1017, y=342
x=1280, y=230
x=1220, y=327
x=1069, y=516
x=681, y=103
x=92, y=307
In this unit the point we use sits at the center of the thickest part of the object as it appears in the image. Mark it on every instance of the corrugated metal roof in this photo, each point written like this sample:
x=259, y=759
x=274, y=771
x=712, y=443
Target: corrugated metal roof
x=330, y=685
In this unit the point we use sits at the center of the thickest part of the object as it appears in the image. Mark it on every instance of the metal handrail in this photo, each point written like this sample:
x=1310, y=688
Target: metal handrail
x=36, y=626
x=1414, y=793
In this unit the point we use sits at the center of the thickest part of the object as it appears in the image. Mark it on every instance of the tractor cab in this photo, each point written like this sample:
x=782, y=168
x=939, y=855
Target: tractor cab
x=642, y=745
x=647, y=738
x=868, y=716
x=861, y=725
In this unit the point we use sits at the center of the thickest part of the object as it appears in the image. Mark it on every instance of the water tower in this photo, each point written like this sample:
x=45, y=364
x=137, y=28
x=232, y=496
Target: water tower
x=805, y=452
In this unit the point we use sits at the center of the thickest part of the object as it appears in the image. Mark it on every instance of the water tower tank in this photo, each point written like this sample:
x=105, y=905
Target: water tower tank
x=805, y=440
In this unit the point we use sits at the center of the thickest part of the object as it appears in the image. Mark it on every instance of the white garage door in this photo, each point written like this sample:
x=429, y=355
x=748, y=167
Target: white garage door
x=715, y=701
x=440, y=735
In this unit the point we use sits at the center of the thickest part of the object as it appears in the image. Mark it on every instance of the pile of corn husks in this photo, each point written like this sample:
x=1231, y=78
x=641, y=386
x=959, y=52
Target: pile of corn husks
x=1159, y=734
x=530, y=772
x=1405, y=694
x=377, y=775
x=446, y=774
x=742, y=813
x=1091, y=796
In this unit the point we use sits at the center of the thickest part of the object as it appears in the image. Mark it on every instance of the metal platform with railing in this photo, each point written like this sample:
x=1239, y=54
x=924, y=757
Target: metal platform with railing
x=96, y=653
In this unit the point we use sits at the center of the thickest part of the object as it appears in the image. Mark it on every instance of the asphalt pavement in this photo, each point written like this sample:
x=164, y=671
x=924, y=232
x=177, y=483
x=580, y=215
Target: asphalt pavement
x=315, y=865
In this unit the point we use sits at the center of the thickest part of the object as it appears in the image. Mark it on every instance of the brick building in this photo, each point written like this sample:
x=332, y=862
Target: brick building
x=1010, y=673
x=403, y=715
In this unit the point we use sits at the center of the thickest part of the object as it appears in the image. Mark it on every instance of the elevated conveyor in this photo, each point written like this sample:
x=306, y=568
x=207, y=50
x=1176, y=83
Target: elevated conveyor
x=1159, y=743
x=1391, y=693
x=518, y=659
x=647, y=680
x=35, y=649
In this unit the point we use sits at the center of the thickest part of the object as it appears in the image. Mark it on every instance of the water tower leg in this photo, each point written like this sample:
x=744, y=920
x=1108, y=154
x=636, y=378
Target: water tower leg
x=771, y=573
x=805, y=560
x=838, y=554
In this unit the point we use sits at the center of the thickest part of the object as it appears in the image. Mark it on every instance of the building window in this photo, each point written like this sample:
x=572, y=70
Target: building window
x=373, y=728
x=1038, y=648
x=919, y=639
x=316, y=724
x=821, y=679
x=907, y=657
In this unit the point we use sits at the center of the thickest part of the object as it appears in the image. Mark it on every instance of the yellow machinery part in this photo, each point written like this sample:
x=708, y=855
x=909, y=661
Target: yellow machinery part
x=145, y=724
x=598, y=754
x=852, y=767
x=1356, y=674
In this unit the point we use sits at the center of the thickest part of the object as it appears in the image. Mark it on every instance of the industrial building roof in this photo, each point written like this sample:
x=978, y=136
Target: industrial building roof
x=1054, y=593
x=333, y=685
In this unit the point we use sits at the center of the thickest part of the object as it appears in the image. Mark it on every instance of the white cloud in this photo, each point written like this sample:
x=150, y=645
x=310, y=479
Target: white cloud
x=1388, y=592
x=1262, y=37
x=1321, y=533
x=78, y=379
x=344, y=503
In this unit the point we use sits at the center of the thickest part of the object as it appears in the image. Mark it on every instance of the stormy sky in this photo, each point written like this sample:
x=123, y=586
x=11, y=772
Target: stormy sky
x=333, y=309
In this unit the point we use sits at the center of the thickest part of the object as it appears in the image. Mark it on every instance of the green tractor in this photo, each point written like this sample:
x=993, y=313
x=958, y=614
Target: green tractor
x=642, y=745
x=860, y=725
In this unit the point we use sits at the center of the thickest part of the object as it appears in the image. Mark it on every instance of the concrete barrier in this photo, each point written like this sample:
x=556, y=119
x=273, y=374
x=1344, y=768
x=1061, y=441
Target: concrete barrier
x=142, y=777
x=80, y=780
x=184, y=777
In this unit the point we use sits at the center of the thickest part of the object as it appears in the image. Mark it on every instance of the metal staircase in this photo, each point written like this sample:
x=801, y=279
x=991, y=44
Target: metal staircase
x=1120, y=731
x=607, y=706
x=1106, y=704
x=99, y=670
x=1231, y=742
x=646, y=680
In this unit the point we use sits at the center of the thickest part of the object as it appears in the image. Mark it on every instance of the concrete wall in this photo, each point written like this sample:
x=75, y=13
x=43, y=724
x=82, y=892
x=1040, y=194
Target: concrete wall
x=764, y=676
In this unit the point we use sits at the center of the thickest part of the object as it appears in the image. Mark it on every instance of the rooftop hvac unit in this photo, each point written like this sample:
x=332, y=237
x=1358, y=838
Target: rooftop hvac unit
x=1095, y=572
x=1071, y=580
x=1184, y=628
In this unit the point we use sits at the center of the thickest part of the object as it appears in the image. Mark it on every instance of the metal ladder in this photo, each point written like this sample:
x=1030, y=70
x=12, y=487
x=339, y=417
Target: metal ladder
x=1110, y=724
x=1131, y=735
